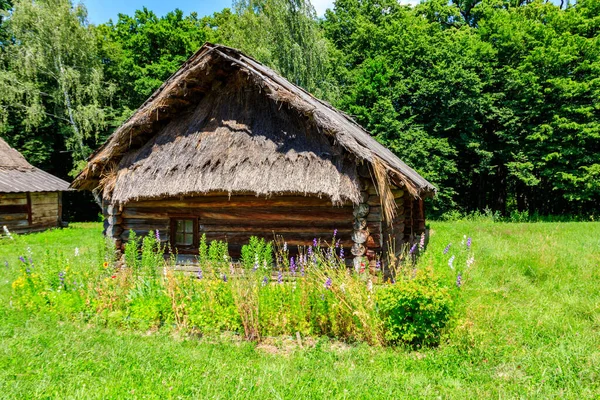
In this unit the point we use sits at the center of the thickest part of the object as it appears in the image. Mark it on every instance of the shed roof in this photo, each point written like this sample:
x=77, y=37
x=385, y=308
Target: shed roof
x=17, y=175
x=207, y=72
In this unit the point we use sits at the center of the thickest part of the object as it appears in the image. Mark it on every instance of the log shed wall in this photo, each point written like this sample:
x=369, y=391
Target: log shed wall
x=234, y=219
x=30, y=211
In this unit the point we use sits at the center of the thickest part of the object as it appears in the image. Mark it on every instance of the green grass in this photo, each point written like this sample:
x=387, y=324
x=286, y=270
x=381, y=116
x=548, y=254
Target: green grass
x=527, y=326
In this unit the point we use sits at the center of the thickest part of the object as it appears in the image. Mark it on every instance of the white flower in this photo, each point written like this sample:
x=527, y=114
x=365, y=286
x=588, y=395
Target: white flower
x=370, y=285
x=451, y=262
x=470, y=261
x=7, y=232
x=76, y=251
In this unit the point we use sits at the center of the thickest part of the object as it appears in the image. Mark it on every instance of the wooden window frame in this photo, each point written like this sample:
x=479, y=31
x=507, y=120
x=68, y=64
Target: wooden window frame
x=193, y=248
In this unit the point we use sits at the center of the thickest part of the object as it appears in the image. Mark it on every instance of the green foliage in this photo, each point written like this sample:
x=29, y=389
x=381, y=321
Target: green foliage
x=51, y=78
x=415, y=311
x=258, y=253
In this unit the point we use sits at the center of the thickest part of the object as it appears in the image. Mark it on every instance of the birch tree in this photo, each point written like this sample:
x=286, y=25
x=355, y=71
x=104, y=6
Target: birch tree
x=50, y=73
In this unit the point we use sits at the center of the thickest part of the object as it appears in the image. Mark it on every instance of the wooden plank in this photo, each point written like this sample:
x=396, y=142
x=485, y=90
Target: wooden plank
x=237, y=201
x=12, y=217
x=44, y=198
x=7, y=196
x=21, y=200
x=40, y=208
x=254, y=214
x=45, y=220
x=322, y=231
x=16, y=223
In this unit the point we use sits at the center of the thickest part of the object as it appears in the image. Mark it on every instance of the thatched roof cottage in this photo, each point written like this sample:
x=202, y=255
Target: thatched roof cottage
x=229, y=148
x=30, y=199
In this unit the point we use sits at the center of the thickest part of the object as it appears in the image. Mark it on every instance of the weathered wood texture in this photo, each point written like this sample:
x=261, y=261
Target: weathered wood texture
x=30, y=212
x=297, y=219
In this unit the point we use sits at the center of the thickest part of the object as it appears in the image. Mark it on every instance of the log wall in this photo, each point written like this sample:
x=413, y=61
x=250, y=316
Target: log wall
x=30, y=212
x=297, y=219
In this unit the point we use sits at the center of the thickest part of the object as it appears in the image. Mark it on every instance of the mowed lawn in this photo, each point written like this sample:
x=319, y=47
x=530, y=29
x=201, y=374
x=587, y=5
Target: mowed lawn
x=527, y=326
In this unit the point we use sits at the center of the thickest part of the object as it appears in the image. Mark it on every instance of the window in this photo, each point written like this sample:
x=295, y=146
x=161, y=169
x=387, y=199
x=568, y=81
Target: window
x=184, y=233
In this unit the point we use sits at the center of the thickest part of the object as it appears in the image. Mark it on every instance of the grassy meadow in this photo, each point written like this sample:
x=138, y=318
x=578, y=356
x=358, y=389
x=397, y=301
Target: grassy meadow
x=527, y=325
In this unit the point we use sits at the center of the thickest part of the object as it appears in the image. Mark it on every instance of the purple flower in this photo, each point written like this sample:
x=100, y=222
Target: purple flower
x=469, y=241
x=315, y=243
x=328, y=283
x=265, y=281
x=157, y=235
x=293, y=267
x=224, y=277
x=378, y=265
x=309, y=251
x=61, y=277
x=302, y=270
x=199, y=273
x=337, y=243
x=255, y=267
x=412, y=249
x=279, y=277
x=22, y=259
x=422, y=242
x=458, y=280
x=447, y=249
x=342, y=253
x=334, y=232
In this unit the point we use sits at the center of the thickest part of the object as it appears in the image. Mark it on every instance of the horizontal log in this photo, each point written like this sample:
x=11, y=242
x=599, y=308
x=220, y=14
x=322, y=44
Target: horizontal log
x=333, y=215
x=44, y=198
x=374, y=217
x=15, y=223
x=12, y=217
x=398, y=193
x=44, y=220
x=7, y=196
x=41, y=208
x=318, y=232
x=52, y=213
x=13, y=201
x=236, y=201
x=34, y=228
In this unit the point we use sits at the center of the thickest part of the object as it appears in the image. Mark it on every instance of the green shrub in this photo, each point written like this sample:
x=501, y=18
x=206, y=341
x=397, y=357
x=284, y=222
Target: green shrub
x=414, y=311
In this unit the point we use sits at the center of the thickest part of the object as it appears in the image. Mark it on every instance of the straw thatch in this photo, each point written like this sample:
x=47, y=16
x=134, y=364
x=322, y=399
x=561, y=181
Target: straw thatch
x=18, y=176
x=226, y=123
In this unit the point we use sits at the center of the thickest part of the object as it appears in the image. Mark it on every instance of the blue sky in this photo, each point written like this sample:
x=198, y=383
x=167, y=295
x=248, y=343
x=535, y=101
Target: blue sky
x=100, y=11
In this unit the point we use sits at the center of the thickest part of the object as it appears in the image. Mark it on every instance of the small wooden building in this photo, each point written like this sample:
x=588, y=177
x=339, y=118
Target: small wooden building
x=229, y=148
x=30, y=199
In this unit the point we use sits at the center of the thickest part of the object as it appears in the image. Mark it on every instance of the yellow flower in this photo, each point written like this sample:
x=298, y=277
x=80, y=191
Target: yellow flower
x=105, y=265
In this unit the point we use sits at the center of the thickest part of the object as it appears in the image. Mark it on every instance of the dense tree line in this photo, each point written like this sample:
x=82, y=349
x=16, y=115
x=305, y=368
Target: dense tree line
x=496, y=102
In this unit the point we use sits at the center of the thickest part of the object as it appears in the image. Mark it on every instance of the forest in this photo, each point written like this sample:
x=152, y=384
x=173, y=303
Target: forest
x=496, y=102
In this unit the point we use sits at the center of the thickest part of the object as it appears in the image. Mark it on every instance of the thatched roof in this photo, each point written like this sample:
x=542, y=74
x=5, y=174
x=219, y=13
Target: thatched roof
x=17, y=175
x=226, y=123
